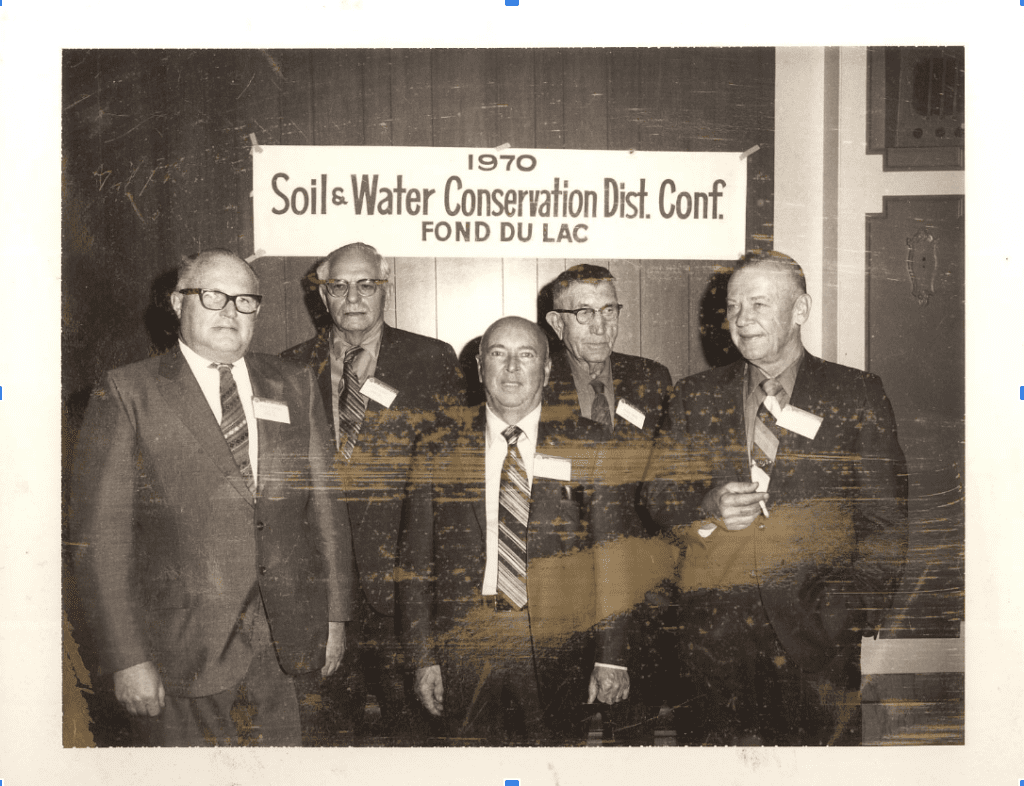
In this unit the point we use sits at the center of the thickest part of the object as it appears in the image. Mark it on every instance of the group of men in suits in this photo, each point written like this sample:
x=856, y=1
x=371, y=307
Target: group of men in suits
x=485, y=572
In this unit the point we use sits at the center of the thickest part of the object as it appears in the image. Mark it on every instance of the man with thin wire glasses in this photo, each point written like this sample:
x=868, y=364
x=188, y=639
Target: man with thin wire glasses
x=380, y=386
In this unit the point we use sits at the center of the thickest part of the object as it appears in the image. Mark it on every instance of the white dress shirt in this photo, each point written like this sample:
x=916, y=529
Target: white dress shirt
x=496, y=448
x=209, y=382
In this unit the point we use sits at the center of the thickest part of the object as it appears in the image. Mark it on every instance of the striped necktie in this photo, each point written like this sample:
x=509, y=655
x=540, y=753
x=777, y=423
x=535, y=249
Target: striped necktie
x=766, y=429
x=351, y=405
x=513, y=515
x=599, y=410
x=232, y=423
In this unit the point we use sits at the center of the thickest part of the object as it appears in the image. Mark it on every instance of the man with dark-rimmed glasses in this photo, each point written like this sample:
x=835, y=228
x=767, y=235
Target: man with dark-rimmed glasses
x=215, y=575
x=380, y=386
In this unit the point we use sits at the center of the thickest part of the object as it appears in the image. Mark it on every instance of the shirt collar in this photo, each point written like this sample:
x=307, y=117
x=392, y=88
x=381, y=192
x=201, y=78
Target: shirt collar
x=495, y=425
x=581, y=372
x=787, y=378
x=198, y=363
x=371, y=341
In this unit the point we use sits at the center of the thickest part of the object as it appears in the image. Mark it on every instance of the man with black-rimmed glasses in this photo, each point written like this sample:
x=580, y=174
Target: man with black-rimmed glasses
x=215, y=572
x=380, y=387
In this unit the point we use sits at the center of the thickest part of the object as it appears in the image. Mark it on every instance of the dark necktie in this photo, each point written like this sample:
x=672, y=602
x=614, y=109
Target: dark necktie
x=232, y=423
x=599, y=410
x=513, y=515
x=766, y=430
x=351, y=405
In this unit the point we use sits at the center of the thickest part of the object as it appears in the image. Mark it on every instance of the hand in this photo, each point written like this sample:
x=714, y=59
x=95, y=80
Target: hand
x=335, y=648
x=429, y=688
x=608, y=685
x=140, y=689
x=736, y=504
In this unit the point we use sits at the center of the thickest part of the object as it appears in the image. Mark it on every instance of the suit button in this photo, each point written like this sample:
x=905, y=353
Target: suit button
x=753, y=574
x=263, y=570
x=260, y=525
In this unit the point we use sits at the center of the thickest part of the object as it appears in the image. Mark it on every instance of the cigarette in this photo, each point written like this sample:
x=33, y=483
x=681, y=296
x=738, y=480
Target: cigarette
x=764, y=509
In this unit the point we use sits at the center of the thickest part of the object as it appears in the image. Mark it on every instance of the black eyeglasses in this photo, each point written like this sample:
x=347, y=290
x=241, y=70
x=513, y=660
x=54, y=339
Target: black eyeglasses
x=215, y=300
x=365, y=287
x=586, y=315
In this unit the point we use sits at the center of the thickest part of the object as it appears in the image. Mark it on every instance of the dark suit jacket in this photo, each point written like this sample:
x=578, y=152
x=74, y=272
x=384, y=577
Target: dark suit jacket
x=443, y=551
x=427, y=376
x=832, y=553
x=173, y=543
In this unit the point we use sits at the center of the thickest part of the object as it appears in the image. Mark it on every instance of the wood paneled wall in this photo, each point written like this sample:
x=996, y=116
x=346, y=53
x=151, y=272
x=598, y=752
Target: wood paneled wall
x=157, y=164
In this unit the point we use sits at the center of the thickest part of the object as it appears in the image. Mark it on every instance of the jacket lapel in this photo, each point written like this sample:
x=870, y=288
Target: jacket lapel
x=806, y=394
x=267, y=383
x=733, y=422
x=183, y=395
x=476, y=470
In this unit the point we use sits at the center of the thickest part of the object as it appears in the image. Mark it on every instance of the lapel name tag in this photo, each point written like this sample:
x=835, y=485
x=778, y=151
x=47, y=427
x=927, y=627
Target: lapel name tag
x=627, y=411
x=804, y=423
x=378, y=391
x=552, y=467
x=270, y=409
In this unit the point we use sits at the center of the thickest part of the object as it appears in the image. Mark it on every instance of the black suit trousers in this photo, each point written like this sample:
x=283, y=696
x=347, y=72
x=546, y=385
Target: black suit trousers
x=746, y=691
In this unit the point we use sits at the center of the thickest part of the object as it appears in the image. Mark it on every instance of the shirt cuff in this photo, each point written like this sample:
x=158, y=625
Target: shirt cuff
x=611, y=666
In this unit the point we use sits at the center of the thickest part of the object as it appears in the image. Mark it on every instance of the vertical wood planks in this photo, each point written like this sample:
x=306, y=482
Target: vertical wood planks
x=627, y=287
x=469, y=298
x=664, y=324
x=519, y=288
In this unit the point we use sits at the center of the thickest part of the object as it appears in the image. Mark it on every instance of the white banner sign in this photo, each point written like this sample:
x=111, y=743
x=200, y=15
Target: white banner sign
x=469, y=202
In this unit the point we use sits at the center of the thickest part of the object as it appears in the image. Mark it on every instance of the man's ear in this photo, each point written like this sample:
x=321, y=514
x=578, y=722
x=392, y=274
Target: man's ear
x=479, y=370
x=802, y=309
x=176, y=300
x=555, y=320
x=323, y=296
x=547, y=369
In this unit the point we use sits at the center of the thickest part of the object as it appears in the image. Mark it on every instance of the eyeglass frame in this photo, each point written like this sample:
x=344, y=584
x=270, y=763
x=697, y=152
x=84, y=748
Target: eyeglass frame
x=378, y=283
x=594, y=312
x=227, y=299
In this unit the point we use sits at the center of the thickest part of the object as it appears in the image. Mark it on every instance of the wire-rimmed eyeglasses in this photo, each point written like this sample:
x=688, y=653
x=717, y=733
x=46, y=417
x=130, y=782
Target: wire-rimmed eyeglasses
x=215, y=300
x=365, y=287
x=586, y=315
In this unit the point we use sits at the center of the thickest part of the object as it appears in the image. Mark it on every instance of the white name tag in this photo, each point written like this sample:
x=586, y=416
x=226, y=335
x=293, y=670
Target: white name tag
x=762, y=479
x=804, y=423
x=552, y=467
x=270, y=409
x=627, y=411
x=378, y=391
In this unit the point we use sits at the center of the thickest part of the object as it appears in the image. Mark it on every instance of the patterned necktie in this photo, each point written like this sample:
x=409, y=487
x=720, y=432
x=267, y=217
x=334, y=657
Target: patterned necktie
x=513, y=515
x=599, y=410
x=351, y=405
x=232, y=423
x=766, y=429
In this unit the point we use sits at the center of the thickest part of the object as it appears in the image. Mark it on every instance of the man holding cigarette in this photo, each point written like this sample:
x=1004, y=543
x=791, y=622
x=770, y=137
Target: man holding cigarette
x=782, y=478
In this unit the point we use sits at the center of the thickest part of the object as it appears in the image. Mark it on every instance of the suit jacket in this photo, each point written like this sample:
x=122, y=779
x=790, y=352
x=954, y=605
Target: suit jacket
x=643, y=383
x=427, y=376
x=173, y=544
x=443, y=551
x=831, y=555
